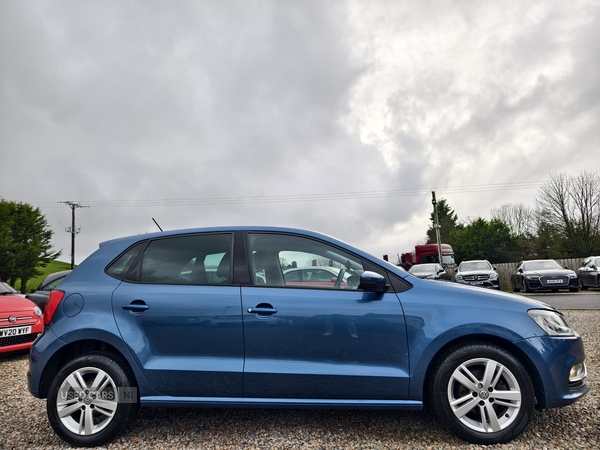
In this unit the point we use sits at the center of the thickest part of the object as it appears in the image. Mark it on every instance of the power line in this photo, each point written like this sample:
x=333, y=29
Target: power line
x=332, y=196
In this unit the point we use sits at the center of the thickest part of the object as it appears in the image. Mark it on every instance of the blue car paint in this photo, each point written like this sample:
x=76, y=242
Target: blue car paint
x=169, y=340
x=323, y=344
x=426, y=318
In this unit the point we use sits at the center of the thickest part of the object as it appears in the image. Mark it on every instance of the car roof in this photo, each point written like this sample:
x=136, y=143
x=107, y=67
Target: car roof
x=539, y=260
x=222, y=229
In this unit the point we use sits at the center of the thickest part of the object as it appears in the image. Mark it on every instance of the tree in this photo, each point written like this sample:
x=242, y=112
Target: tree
x=523, y=223
x=571, y=205
x=25, y=242
x=482, y=239
x=521, y=219
x=549, y=242
x=6, y=251
x=448, y=221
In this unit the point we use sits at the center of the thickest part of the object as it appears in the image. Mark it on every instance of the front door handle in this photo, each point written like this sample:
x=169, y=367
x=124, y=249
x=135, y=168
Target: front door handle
x=263, y=309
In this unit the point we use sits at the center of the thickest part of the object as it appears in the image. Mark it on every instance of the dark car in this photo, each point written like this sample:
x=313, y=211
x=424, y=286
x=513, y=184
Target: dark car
x=140, y=323
x=40, y=295
x=433, y=271
x=589, y=272
x=477, y=273
x=543, y=275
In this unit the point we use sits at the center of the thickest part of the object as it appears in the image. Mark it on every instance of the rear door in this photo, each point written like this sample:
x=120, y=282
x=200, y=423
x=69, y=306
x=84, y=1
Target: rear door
x=181, y=317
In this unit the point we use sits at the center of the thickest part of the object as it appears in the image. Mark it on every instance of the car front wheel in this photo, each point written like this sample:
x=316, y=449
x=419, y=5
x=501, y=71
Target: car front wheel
x=482, y=393
x=92, y=399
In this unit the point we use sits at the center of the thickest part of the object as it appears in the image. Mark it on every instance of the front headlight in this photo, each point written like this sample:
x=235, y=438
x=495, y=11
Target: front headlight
x=532, y=277
x=551, y=322
x=37, y=311
x=458, y=277
x=493, y=276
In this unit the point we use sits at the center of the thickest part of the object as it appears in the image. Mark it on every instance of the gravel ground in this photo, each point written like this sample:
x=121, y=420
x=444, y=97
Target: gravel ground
x=23, y=422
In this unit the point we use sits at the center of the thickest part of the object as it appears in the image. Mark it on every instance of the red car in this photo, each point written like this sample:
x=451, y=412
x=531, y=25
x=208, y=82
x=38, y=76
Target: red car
x=20, y=322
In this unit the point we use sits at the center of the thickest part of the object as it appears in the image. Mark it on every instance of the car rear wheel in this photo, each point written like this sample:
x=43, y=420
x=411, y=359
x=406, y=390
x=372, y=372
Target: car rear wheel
x=482, y=393
x=92, y=399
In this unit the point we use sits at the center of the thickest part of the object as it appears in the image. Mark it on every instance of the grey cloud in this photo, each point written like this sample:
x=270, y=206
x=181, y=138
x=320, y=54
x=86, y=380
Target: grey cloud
x=128, y=100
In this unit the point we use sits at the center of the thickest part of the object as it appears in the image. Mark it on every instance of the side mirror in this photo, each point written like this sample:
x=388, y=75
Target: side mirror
x=373, y=282
x=520, y=270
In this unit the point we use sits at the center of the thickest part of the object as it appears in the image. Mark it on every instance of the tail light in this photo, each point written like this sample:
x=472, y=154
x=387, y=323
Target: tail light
x=52, y=304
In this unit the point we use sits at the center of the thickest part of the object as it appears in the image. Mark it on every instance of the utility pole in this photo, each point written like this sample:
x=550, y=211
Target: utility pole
x=74, y=231
x=436, y=226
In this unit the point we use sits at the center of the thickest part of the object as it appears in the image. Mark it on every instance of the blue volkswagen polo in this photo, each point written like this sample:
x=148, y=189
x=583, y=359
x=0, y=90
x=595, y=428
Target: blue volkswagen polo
x=205, y=318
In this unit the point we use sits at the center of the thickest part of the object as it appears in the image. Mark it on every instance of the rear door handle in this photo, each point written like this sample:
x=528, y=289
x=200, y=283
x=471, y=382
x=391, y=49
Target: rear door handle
x=136, y=306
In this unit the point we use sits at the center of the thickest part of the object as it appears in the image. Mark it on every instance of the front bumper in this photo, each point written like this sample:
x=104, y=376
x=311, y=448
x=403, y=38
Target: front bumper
x=491, y=284
x=553, y=359
x=9, y=344
x=537, y=284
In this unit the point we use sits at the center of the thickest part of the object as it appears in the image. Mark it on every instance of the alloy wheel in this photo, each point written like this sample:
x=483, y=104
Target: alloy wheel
x=484, y=395
x=87, y=401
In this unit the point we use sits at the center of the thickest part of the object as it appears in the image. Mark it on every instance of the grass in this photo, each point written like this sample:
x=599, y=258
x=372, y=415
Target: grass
x=53, y=266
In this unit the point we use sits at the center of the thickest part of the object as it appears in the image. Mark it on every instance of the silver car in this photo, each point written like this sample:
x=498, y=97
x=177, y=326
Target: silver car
x=477, y=273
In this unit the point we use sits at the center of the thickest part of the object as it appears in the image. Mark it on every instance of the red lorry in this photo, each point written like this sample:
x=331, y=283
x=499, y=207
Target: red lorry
x=428, y=253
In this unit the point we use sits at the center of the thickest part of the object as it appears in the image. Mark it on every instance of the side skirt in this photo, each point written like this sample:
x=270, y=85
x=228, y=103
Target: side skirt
x=289, y=403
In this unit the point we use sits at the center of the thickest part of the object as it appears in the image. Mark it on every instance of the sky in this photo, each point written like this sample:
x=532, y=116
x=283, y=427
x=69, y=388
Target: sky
x=336, y=116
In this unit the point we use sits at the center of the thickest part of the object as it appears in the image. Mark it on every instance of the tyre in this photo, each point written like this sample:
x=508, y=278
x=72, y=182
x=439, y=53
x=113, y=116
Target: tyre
x=92, y=399
x=482, y=393
x=514, y=288
x=526, y=290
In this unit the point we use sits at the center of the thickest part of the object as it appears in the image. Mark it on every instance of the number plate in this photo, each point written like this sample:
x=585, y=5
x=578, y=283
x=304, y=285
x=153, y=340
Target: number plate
x=554, y=281
x=476, y=282
x=17, y=331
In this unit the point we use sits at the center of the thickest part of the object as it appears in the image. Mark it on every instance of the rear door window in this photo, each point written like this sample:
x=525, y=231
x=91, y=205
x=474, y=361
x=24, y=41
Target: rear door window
x=196, y=260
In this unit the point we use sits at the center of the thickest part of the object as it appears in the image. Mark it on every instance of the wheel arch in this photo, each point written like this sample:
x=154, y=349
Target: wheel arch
x=508, y=346
x=72, y=351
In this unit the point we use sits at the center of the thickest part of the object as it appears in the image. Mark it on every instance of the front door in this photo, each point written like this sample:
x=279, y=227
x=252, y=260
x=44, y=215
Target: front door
x=319, y=341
